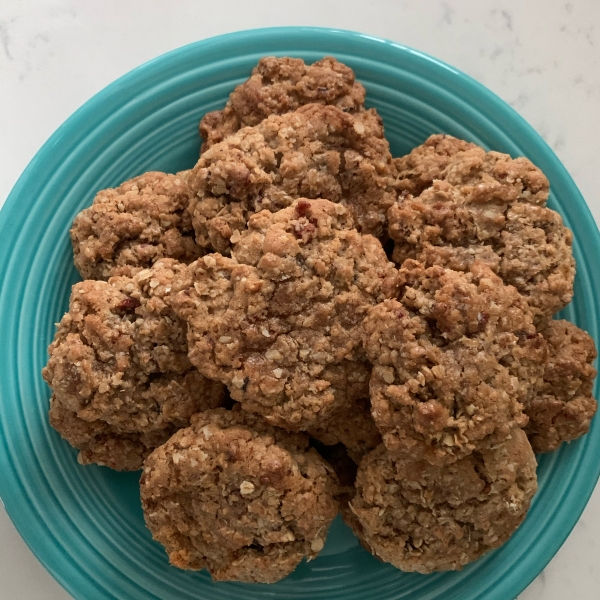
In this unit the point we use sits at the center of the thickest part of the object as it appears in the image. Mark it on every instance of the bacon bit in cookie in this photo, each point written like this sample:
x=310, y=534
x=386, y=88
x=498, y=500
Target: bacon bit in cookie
x=128, y=305
x=302, y=208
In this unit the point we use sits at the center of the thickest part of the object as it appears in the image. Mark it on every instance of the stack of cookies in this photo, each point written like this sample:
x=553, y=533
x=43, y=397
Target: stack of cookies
x=302, y=325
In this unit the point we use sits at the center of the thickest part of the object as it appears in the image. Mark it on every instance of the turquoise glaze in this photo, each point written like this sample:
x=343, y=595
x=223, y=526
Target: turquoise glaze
x=85, y=524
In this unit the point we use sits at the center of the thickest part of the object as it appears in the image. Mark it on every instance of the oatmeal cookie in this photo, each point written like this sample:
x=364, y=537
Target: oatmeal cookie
x=282, y=85
x=314, y=152
x=564, y=407
x=104, y=444
x=487, y=207
x=425, y=518
x=527, y=245
x=281, y=323
x=236, y=496
x=450, y=365
x=134, y=225
x=460, y=163
x=120, y=356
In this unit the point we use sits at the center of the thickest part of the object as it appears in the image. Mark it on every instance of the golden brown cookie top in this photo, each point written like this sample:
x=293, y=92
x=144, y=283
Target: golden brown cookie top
x=564, y=406
x=315, y=152
x=281, y=85
x=453, y=226
x=283, y=330
x=237, y=497
x=134, y=225
x=425, y=518
x=472, y=169
x=444, y=379
x=120, y=355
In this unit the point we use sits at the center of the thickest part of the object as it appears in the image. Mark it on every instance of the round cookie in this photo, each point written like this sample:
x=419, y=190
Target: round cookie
x=315, y=152
x=130, y=227
x=120, y=356
x=461, y=163
x=451, y=362
x=281, y=85
x=564, y=407
x=281, y=323
x=420, y=517
x=487, y=207
x=238, y=497
x=526, y=245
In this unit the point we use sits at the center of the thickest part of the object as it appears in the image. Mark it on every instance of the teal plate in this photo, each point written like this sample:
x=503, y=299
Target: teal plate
x=85, y=524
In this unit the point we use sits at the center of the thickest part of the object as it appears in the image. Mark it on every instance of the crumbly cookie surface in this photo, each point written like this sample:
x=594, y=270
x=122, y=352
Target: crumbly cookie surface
x=238, y=497
x=564, y=406
x=450, y=370
x=461, y=163
x=527, y=245
x=315, y=152
x=425, y=518
x=352, y=426
x=487, y=207
x=281, y=85
x=104, y=444
x=120, y=356
x=130, y=227
x=280, y=323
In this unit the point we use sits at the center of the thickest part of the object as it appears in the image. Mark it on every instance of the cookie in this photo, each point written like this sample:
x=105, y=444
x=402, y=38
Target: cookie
x=281, y=85
x=236, y=496
x=447, y=355
x=103, y=444
x=130, y=227
x=120, y=356
x=315, y=152
x=461, y=163
x=484, y=207
x=280, y=323
x=564, y=407
x=420, y=517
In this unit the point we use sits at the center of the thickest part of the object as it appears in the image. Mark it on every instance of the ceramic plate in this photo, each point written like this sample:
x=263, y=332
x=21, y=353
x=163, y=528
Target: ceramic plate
x=85, y=524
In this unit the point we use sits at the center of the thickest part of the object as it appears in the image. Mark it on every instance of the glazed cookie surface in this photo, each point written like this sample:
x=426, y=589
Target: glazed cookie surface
x=425, y=518
x=448, y=354
x=281, y=85
x=315, y=152
x=281, y=322
x=238, y=497
x=130, y=227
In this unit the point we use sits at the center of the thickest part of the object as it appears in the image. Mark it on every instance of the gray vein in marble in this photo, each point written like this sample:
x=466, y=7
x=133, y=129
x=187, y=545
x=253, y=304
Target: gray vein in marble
x=507, y=19
x=447, y=13
x=496, y=52
x=5, y=38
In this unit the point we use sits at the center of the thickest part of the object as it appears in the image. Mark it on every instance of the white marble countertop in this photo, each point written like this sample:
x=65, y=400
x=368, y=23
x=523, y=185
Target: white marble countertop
x=543, y=57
